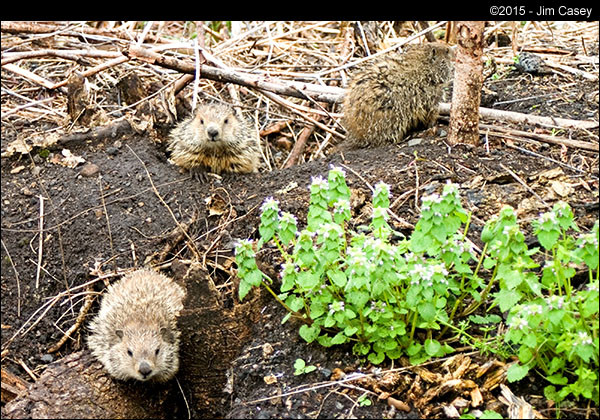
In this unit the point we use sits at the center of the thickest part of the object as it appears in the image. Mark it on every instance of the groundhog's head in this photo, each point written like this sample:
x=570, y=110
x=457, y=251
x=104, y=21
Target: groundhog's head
x=216, y=124
x=144, y=352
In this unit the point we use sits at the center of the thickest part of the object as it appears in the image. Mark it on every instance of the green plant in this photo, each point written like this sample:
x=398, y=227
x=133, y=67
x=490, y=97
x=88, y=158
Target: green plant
x=300, y=367
x=391, y=297
x=362, y=288
x=487, y=414
x=557, y=334
x=363, y=401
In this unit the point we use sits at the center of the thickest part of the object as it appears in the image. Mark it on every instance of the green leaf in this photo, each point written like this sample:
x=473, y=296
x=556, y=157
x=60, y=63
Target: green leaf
x=376, y=358
x=432, y=347
x=309, y=334
x=427, y=311
x=350, y=331
x=299, y=364
x=254, y=277
x=243, y=289
x=337, y=277
x=339, y=338
x=506, y=299
x=490, y=414
x=516, y=372
x=309, y=369
x=548, y=238
x=557, y=379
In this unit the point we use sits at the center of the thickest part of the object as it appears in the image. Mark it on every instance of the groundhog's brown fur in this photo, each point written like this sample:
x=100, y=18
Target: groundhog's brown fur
x=215, y=139
x=135, y=334
x=392, y=95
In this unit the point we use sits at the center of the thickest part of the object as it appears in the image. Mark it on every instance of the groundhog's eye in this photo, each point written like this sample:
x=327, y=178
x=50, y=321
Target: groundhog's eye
x=201, y=121
x=130, y=353
x=226, y=121
x=157, y=351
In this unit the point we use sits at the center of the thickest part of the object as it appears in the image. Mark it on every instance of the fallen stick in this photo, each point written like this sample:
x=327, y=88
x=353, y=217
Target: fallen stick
x=519, y=117
x=78, y=31
x=579, y=144
x=113, y=130
x=29, y=75
x=329, y=94
x=298, y=149
x=75, y=55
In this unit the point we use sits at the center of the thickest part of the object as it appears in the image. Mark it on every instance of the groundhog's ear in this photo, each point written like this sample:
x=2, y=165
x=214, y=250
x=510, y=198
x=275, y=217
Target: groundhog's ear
x=119, y=333
x=167, y=334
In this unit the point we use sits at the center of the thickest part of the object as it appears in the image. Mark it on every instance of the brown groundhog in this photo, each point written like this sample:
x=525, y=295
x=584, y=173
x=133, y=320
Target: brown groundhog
x=135, y=334
x=397, y=93
x=215, y=139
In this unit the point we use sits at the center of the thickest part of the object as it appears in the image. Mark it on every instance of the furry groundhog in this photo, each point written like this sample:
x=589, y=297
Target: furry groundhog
x=397, y=93
x=216, y=140
x=135, y=334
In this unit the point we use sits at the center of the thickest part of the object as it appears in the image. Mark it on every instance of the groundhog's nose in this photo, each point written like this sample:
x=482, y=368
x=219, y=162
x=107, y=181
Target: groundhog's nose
x=213, y=132
x=145, y=369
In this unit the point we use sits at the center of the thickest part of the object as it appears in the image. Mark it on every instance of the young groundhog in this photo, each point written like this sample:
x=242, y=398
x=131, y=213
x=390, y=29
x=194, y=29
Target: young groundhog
x=392, y=95
x=135, y=334
x=216, y=140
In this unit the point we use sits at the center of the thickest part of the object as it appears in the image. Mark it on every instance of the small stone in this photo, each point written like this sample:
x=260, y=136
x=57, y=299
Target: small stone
x=112, y=150
x=89, y=170
x=414, y=142
x=17, y=169
x=47, y=358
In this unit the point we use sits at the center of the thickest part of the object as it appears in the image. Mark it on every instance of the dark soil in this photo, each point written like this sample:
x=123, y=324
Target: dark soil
x=116, y=220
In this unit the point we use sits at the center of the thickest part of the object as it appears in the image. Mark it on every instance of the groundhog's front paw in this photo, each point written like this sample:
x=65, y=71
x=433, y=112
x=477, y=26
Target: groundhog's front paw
x=202, y=175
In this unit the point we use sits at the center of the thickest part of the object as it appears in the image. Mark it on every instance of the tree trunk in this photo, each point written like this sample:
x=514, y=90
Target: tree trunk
x=466, y=96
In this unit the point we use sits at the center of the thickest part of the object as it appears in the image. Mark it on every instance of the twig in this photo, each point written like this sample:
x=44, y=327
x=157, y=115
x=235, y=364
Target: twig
x=39, y=28
x=579, y=144
x=110, y=239
x=542, y=156
x=87, y=304
x=40, y=243
x=329, y=94
x=12, y=263
x=29, y=76
x=520, y=181
x=74, y=55
x=519, y=117
x=298, y=149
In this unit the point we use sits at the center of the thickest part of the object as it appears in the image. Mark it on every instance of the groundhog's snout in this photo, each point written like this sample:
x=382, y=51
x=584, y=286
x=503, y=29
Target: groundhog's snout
x=212, y=131
x=144, y=369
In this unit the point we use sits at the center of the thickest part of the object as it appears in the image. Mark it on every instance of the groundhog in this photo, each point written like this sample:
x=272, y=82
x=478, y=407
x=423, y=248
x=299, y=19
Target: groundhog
x=216, y=140
x=397, y=93
x=135, y=334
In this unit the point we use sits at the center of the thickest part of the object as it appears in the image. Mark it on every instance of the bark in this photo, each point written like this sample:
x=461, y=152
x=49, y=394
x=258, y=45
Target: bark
x=464, y=114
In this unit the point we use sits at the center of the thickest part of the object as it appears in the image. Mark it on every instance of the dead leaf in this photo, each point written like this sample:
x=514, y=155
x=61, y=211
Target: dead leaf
x=400, y=405
x=549, y=174
x=562, y=188
x=18, y=146
x=216, y=205
x=270, y=379
x=67, y=159
x=476, y=397
x=17, y=169
x=518, y=408
x=450, y=411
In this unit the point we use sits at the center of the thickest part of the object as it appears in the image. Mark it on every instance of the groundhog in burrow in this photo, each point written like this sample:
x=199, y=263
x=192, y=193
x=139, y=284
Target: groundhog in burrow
x=397, y=93
x=215, y=139
x=135, y=334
